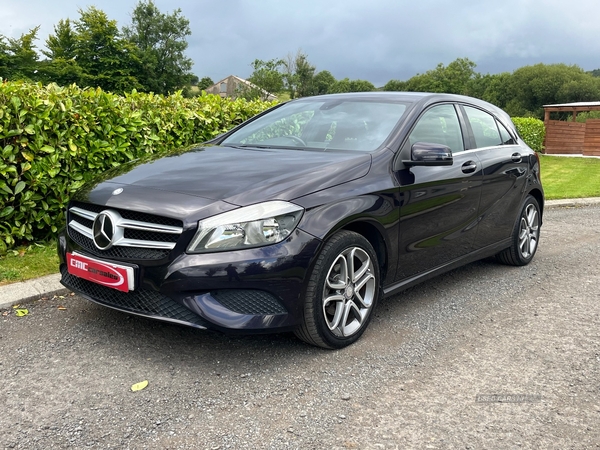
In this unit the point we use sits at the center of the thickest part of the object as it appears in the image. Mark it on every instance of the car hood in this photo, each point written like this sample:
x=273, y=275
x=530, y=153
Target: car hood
x=241, y=176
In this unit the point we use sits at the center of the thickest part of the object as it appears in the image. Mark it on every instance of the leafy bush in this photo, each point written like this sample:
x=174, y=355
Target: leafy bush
x=532, y=131
x=53, y=139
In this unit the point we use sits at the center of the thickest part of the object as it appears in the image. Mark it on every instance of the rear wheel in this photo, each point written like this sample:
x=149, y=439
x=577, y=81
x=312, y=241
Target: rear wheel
x=341, y=293
x=525, y=237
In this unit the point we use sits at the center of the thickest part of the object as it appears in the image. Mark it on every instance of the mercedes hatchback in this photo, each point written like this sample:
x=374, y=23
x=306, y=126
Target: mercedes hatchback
x=301, y=218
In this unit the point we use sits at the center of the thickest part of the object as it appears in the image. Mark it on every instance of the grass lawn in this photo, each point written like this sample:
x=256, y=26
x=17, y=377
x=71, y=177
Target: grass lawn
x=562, y=177
x=566, y=177
x=26, y=263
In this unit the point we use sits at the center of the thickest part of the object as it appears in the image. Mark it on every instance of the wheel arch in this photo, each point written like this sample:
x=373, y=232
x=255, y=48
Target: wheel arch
x=539, y=196
x=372, y=234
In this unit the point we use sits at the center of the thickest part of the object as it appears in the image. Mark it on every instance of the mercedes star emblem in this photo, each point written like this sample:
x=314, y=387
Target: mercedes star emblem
x=104, y=230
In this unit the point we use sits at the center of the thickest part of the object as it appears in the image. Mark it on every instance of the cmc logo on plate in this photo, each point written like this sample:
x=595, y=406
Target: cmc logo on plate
x=110, y=275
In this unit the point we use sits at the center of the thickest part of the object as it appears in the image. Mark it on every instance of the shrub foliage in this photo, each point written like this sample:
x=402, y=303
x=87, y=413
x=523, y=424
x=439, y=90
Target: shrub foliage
x=53, y=139
x=532, y=131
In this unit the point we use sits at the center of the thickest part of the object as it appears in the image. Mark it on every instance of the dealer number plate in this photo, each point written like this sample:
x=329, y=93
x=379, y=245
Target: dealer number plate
x=107, y=274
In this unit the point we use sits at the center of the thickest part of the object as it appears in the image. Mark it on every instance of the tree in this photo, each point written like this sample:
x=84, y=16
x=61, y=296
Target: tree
x=532, y=87
x=62, y=72
x=322, y=82
x=267, y=77
x=106, y=60
x=305, y=73
x=347, y=85
x=204, y=83
x=395, y=85
x=18, y=58
x=298, y=75
x=63, y=43
x=61, y=67
x=161, y=40
x=452, y=79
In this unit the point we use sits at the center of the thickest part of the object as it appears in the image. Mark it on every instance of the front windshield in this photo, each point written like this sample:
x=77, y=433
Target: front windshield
x=332, y=124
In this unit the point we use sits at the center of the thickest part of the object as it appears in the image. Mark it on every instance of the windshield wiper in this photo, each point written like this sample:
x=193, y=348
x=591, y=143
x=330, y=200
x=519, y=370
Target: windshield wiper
x=247, y=146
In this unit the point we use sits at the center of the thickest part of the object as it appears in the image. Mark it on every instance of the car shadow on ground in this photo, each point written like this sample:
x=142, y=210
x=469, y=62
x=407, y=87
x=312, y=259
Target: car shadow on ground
x=418, y=311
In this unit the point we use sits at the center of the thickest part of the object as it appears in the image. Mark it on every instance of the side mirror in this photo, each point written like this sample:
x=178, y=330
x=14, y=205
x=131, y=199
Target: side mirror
x=429, y=154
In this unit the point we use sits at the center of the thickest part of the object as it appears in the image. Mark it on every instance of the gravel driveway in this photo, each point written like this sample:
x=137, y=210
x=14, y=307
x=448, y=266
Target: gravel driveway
x=487, y=356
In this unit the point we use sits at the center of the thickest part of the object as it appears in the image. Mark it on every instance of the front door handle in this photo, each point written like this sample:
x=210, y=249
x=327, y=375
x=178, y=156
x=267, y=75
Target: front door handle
x=516, y=157
x=469, y=167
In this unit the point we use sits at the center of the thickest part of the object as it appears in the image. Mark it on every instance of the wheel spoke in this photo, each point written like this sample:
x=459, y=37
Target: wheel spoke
x=337, y=302
x=366, y=263
x=532, y=216
x=337, y=278
x=367, y=299
x=353, y=319
x=525, y=246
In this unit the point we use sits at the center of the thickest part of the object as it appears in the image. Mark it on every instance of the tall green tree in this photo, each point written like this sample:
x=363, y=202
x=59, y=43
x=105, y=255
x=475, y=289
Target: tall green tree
x=347, y=85
x=298, y=74
x=161, y=40
x=18, y=57
x=395, y=85
x=532, y=87
x=267, y=76
x=62, y=67
x=322, y=82
x=106, y=59
x=63, y=43
x=305, y=73
x=452, y=79
x=205, y=82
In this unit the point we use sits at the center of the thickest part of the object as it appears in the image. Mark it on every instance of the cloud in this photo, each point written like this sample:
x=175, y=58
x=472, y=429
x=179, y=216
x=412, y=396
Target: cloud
x=377, y=40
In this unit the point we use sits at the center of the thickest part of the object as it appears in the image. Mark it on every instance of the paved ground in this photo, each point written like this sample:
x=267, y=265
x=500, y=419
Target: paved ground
x=421, y=377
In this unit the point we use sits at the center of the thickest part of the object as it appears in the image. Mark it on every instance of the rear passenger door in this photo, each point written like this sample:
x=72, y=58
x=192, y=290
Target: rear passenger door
x=504, y=171
x=438, y=213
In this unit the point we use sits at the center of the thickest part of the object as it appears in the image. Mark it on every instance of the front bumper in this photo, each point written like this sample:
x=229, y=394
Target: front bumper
x=252, y=290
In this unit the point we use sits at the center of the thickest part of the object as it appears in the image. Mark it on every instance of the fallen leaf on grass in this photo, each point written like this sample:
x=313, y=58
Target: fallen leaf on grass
x=21, y=312
x=139, y=386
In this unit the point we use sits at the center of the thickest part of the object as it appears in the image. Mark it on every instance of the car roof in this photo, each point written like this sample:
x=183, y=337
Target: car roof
x=423, y=98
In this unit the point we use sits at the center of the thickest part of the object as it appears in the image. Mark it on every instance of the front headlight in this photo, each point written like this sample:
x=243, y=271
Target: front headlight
x=252, y=226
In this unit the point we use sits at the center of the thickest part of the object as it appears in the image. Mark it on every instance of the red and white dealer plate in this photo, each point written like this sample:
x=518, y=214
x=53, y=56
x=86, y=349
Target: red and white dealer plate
x=107, y=274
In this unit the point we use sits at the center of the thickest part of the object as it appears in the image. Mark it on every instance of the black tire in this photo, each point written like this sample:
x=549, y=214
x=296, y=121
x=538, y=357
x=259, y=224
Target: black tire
x=525, y=236
x=338, y=308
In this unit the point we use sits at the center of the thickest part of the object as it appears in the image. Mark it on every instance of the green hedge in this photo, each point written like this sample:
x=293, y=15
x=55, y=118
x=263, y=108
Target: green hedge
x=53, y=139
x=532, y=131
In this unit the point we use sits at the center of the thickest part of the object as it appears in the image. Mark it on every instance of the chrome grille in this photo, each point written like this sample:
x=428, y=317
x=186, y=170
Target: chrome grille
x=137, y=236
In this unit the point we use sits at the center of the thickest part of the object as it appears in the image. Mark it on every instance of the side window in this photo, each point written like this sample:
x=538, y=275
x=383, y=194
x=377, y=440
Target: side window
x=439, y=125
x=507, y=139
x=484, y=128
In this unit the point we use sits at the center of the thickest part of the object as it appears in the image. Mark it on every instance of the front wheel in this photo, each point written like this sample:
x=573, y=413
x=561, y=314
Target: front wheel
x=525, y=237
x=342, y=291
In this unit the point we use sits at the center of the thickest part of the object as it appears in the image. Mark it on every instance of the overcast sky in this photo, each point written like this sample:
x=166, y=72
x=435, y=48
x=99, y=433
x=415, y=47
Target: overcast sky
x=376, y=40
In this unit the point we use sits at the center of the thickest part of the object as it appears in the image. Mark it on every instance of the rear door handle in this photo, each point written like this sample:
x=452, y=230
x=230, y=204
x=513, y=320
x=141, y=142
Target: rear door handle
x=516, y=157
x=469, y=167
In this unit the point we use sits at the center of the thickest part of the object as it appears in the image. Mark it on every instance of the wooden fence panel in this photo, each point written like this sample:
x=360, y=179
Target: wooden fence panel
x=591, y=144
x=564, y=137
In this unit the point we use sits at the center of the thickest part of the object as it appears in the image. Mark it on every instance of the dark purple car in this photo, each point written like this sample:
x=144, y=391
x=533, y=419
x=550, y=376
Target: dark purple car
x=302, y=217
